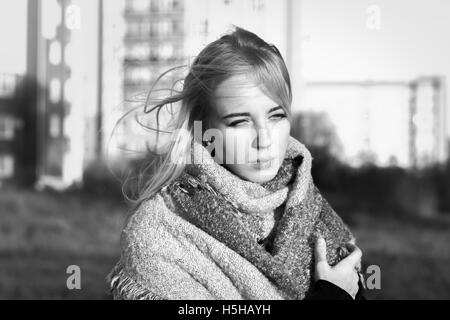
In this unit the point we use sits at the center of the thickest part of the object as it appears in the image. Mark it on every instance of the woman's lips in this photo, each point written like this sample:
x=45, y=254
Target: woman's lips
x=263, y=164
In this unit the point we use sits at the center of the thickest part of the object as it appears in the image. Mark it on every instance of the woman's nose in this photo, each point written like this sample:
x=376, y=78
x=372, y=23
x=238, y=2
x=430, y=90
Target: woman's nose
x=263, y=138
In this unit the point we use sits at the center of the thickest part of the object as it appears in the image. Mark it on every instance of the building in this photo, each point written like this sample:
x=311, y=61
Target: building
x=386, y=123
x=163, y=34
x=9, y=155
x=63, y=59
x=428, y=122
x=154, y=42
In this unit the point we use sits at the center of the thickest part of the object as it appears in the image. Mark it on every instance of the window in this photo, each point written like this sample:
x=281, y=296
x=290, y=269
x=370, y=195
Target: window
x=166, y=51
x=177, y=4
x=165, y=28
x=55, y=53
x=155, y=6
x=178, y=53
x=54, y=128
x=133, y=29
x=138, y=52
x=7, y=85
x=204, y=27
x=145, y=28
x=139, y=5
x=137, y=29
x=177, y=27
x=138, y=75
x=6, y=128
x=166, y=5
x=258, y=5
x=154, y=55
x=160, y=29
x=55, y=90
x=153, y=29
x=6, y=166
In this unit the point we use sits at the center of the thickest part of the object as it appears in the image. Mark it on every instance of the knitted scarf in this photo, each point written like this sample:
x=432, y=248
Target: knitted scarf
x=273, y=225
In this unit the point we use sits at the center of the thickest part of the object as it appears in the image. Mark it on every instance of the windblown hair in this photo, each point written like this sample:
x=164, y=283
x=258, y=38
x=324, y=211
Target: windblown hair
x=237, y=53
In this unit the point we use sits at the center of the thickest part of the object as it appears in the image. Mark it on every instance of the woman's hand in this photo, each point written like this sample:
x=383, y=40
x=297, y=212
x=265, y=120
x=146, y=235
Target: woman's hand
x=343, y=274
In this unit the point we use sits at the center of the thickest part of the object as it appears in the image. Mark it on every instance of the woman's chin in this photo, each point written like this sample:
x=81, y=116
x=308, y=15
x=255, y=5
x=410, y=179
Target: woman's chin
x=260, y=175
x=254, y=173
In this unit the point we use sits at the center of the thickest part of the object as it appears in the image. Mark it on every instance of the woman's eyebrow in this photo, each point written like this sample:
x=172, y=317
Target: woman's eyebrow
x=246, y=114
x=231, y=115
x=275, y=109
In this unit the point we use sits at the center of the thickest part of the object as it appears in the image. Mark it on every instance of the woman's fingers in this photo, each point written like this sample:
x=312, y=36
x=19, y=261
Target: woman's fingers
x=354, y=258
x=352, y=247
x=355, y=286
x=344, y=274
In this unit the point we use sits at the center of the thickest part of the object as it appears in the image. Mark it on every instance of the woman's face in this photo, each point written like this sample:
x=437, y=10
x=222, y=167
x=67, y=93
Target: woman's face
x=255, y=130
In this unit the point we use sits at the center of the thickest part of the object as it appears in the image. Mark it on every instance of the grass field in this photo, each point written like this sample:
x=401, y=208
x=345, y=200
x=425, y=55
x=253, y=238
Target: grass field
x=41, y=234
x=413, y=255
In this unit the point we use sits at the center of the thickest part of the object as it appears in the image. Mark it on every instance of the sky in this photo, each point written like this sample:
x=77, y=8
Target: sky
x=341, y=43
x=412, y=39
x=13, y=36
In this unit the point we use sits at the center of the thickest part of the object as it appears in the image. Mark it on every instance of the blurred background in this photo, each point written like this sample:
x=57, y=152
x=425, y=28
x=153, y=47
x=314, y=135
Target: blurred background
x=370, y=80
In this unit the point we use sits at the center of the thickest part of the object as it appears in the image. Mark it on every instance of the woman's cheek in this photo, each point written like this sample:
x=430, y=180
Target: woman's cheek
x=238, y=143
x=281, y=138
x=280, y=130
x=235, y=143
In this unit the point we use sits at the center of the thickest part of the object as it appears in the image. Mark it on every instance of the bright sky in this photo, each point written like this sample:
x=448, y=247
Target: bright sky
x=412, y=41
x=13, y=18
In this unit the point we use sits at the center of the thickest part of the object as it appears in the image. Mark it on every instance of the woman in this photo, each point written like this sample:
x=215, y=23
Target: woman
x=240, y=216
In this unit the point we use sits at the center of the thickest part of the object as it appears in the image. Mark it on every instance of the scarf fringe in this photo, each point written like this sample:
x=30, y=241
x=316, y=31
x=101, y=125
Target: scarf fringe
x=123, y=287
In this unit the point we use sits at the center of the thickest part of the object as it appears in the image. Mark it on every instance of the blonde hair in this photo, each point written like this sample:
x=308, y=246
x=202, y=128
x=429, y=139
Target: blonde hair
x=238, y=53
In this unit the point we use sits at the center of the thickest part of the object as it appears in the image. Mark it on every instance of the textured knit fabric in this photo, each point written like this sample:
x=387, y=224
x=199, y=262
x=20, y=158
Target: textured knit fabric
x=212, y=235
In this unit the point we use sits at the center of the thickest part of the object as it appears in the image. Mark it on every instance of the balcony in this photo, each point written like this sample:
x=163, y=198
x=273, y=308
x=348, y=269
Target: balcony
x=131, y=13
x=176, y=37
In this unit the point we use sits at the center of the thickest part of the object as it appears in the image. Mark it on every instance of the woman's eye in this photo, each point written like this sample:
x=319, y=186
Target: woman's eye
x=237, y=123
x=278, y=116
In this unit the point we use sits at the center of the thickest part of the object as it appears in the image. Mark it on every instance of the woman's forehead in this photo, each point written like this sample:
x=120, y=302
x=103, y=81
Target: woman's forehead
x=241, y=92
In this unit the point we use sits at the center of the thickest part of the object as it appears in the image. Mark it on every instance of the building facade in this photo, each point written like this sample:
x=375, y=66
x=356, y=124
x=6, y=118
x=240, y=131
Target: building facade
x=63, y=59
x=386, y=123
x=428, y=122
x=9, y=142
